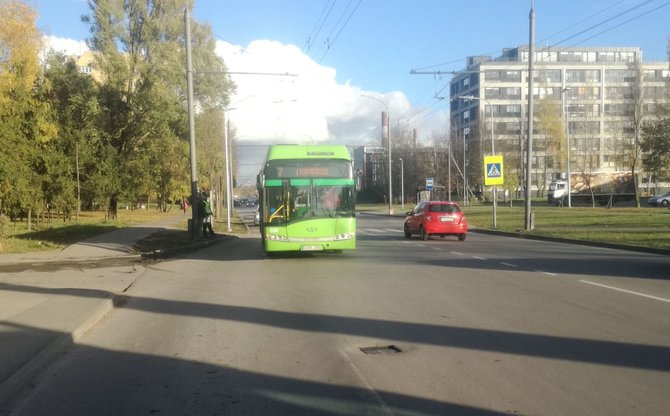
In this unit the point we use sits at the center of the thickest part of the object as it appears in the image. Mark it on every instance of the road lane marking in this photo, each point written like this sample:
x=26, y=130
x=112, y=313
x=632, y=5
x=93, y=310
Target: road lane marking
x=508, y=264
x=436, y=248
x=630, y=292
x=478, y=258
x=547, y=273
x=457, y=253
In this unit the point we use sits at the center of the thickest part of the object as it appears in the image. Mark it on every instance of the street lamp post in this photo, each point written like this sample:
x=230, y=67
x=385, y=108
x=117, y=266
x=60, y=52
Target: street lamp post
x=493, y=151
x=402, y=185
x=388, y=136
x=465, y=177
x=449, y=169
x=229, y=182
x=567, y=141
x=229, y=164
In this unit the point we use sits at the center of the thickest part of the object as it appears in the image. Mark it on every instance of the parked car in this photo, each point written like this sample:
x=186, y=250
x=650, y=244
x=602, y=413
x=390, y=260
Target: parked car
x=660, y=200
x=436, y=218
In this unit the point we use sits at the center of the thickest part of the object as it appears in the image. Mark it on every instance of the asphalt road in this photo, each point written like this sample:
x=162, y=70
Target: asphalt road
x=490, y=326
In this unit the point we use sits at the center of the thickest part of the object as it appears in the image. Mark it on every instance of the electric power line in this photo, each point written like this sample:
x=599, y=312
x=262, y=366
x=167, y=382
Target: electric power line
x=604, y=22
x=330, y=44
x=319, y=23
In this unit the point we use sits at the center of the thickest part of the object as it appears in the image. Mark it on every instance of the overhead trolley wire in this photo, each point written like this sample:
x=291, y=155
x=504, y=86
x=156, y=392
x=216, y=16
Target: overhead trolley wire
x=604, y=22
x=319, y=24
x=329, y=43
x=622, y=23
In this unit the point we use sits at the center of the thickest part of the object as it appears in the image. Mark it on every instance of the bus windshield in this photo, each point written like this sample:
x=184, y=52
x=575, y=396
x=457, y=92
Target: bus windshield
x=309, y=200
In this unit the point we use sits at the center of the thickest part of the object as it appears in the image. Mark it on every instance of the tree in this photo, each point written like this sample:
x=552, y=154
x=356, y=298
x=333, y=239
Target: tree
x=636, y=111
x=25, y=118
x=76, y=155
x=551, y=125
x=140, y=53
x=656, y=145
x=656, y=139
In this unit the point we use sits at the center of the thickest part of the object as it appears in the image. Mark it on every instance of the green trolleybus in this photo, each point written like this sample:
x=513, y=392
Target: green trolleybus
x=307, y=199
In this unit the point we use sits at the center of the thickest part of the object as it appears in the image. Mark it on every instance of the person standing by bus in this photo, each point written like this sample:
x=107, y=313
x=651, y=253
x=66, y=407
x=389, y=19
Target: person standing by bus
x=205, y=211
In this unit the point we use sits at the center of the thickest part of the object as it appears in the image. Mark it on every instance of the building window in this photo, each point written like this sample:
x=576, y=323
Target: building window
x=490, y=75
x=592, y=75
x=512, y=76
x=620, y=75
x=548, y=75
x=492, y=93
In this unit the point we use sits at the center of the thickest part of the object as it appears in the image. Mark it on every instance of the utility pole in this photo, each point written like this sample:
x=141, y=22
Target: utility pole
x=529, y=143
x=195, y=230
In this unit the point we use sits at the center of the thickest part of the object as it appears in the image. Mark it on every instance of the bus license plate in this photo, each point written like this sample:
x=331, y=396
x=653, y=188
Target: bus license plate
x=312, y=248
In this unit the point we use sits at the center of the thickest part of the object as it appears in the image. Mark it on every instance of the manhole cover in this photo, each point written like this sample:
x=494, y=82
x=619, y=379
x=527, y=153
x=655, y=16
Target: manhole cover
x=385, y=349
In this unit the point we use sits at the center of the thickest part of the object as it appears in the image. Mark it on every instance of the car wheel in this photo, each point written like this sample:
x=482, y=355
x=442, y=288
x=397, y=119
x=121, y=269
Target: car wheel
x=423, y=233
x=461, y=237
x=665, y=202
x=407, y=233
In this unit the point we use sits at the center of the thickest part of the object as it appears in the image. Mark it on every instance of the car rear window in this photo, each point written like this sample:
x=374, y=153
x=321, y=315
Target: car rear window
x=450, y=209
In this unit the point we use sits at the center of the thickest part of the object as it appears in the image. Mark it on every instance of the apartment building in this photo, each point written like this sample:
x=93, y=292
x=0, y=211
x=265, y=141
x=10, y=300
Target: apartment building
x=86, y=65
x=594, y=88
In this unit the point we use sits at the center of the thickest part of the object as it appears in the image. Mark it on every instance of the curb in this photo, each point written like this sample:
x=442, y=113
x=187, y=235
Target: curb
x=17, y=384
x=169, y=252
x=639, y=249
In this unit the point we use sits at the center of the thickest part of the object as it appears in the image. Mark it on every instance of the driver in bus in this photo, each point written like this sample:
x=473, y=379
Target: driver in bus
x=330, y=199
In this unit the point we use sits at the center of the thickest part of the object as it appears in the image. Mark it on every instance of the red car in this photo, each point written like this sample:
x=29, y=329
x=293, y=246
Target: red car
x=436, y=218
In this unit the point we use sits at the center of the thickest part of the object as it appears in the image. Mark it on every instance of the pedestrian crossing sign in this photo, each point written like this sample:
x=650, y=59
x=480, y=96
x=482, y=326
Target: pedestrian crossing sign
x=493, y=170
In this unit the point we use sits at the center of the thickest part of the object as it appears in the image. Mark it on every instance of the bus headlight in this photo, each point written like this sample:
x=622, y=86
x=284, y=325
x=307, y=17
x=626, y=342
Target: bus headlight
x=344, y=236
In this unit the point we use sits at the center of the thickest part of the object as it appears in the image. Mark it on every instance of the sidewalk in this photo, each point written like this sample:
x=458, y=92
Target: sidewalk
x=48, y=300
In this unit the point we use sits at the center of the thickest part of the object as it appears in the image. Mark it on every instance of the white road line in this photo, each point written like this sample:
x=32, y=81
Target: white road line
x=630, y=292
x=508, y=264
x=393, y=230
x=457, y=253
x=547, y=273
x=478, y=258
x=436, y=248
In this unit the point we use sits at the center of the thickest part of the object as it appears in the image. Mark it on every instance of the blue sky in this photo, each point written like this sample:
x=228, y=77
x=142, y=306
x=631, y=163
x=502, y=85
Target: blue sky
x=384, y=39
x=343, y=49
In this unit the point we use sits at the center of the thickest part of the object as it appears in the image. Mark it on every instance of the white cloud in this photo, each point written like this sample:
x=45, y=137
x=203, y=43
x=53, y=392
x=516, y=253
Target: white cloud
x=305, y=105
x=67, y=46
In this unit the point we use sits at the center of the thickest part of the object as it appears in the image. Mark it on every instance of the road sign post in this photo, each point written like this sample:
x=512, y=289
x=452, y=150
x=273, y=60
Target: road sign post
x=493, y=175
x=429, y=186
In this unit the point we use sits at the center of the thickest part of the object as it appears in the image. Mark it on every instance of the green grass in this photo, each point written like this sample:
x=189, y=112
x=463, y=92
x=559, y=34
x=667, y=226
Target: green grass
x=644, y=227
x=57, y=234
